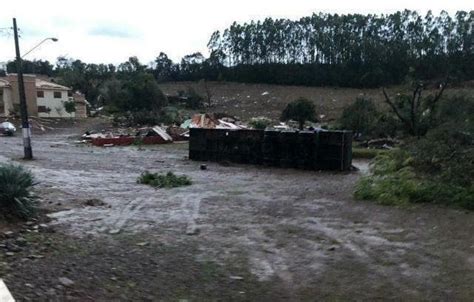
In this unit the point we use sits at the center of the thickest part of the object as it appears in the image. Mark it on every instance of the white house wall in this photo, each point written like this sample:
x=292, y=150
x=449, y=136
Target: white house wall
x=56, y=105
x=7, y=101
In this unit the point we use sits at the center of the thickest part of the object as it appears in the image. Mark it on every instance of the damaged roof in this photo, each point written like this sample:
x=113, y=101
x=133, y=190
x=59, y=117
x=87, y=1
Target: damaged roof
x=42, y=84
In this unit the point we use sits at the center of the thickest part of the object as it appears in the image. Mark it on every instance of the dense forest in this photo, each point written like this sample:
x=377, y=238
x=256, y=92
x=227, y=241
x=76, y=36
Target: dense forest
x=348, y=50
x=351, y=50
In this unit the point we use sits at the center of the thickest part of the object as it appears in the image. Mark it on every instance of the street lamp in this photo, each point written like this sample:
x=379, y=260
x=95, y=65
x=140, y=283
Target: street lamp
x=25, y=125
x=38, y=45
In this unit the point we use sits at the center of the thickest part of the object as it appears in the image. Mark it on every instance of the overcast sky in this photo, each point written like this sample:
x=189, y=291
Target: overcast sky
x=102, y=31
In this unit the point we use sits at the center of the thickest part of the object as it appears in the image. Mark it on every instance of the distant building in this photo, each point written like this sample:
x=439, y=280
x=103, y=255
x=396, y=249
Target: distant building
x=44, y=98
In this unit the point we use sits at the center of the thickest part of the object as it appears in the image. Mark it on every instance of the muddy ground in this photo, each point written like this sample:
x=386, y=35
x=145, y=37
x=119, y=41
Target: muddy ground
x=239, y=233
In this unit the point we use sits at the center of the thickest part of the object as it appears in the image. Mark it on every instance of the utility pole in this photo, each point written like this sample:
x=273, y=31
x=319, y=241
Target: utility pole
x=25, y=125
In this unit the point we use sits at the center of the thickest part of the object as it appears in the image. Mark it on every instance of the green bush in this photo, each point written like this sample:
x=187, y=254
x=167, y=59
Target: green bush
x=194, y=100
x=367, y=153
x=16, y=198
x=168, y=180
x=260, y=123
x=143, y=117
x=386, y=125
x=301, y=110
x=396, y=181
x=70, y=106
x=360, y=117
x=170, y=115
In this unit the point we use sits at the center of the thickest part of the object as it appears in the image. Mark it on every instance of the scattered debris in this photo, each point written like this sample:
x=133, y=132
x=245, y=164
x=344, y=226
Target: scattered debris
x=130, y=136
x=208, y=121
x=192, y=230
x=380, y=143
x=66, y=281
x=95, y=202
x=7, y=128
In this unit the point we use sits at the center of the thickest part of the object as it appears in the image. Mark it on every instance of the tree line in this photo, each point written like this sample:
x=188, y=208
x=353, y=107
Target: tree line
x=349, y=50
x=352, y=50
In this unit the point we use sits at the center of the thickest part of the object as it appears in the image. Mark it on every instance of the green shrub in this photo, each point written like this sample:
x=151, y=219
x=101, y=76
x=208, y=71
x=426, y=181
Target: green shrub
x=168, y=180
x=70, y=106
x=395, y=180
x=386, y=125
x=170, y=115
x=16, y=198
x=194, y=100
x=367, y=153
x=360, y=117
x=301, y=110
x=150, y=118
x=260, y=123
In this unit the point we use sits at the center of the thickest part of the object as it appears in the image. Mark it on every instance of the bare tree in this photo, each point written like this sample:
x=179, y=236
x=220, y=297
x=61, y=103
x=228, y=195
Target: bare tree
x=207, y=92
x=413, y=110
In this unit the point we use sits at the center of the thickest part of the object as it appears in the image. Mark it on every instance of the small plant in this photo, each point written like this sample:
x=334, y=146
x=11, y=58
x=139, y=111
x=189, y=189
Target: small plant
x=361, y=116
x=70, y=107
x=260, y=123
x=168, y=180
x=16, y=199
x=301, y=110
x=194, y=101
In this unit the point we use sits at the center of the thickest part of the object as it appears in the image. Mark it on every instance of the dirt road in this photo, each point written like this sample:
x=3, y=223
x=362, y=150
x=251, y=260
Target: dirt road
x=238, y=233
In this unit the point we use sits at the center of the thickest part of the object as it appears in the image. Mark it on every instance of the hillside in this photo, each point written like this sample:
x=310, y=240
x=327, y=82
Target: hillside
x=250, y=100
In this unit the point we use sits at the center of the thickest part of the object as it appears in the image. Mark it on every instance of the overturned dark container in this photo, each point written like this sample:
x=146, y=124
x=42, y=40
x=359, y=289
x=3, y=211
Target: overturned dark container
x=309, y=150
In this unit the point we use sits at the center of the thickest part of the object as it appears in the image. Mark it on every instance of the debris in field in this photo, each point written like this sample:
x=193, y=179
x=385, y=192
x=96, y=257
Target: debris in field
x=95, y=202
x=114, y=232
x=35, y=257
x=207, y=121
x=265, y=93
x=191, y=231
x=236, y=278
x=143, y=243
x=11, y=247
x=66, y=281
x=178, y=133
x=8, y=234
x=130, y=136
x=7, y=128
x=381, y=143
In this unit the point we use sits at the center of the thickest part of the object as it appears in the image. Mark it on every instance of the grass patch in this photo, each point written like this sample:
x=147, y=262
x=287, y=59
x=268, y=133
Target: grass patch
x=394, y=181
x=367, y=153
x=16, y=198
x=168, y=180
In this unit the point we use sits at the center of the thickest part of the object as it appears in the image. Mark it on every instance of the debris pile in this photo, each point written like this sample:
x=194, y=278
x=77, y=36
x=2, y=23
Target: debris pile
x=129, y=136
x=207, y=121
x=7, y=128
x=158, y=134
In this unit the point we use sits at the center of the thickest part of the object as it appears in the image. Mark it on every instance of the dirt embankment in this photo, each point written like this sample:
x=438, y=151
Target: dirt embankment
x=251, y=100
